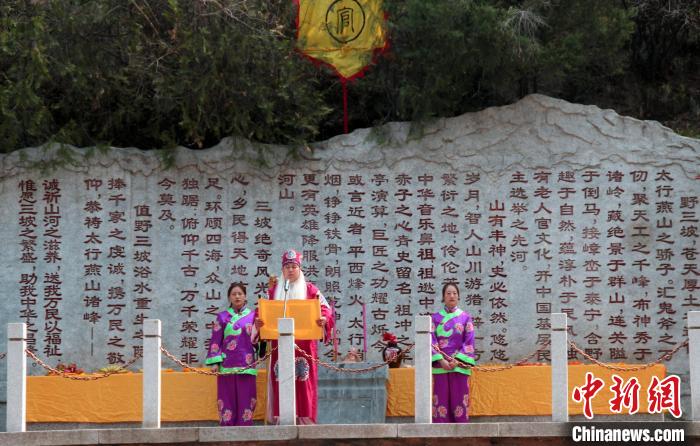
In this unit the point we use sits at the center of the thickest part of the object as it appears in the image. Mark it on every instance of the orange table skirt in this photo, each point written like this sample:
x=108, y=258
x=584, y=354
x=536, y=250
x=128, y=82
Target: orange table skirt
x=525, y=390
x=118, y=398
x=192, y=397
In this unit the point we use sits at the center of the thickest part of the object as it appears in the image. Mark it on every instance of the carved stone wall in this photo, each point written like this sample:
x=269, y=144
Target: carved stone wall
x=537, y=207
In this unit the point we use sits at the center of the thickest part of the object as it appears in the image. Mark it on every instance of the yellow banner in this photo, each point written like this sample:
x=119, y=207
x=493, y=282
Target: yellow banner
x=304, y=312
x=342, y=33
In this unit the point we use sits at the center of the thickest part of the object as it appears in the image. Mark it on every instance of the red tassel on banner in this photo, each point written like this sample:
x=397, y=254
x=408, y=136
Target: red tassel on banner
x=344, y=83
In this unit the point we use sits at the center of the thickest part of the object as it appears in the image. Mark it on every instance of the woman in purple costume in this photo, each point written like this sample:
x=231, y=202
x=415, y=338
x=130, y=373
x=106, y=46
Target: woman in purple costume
x=231, y=349
x=453, y=333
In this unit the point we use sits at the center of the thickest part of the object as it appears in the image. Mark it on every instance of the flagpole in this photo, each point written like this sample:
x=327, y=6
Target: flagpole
x=344, y=83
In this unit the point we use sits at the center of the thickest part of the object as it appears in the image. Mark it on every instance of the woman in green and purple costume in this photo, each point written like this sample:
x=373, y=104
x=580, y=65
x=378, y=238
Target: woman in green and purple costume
x=453, y=333
x=231, y=349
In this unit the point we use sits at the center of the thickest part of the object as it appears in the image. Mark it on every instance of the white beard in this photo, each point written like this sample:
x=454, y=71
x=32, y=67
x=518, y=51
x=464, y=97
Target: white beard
x=297, y=289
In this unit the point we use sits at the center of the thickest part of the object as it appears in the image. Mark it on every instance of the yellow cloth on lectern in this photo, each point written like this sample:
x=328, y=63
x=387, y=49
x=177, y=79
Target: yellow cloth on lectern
x=305, y=313
x=341, y=33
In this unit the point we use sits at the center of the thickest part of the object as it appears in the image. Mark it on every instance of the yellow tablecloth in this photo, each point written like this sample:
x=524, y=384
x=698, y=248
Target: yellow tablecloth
x=118, y=398
x=192, y=397
x=523, y=390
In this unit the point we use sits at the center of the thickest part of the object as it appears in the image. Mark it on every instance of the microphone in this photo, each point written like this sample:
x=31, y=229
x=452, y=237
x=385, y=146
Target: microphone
x=286, y=289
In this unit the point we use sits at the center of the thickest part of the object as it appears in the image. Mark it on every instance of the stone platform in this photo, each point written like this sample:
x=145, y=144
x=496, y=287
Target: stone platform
x=352, y=398
x=542, y=433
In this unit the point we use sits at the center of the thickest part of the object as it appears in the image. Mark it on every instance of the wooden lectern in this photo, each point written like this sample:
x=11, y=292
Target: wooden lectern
x=304, y=312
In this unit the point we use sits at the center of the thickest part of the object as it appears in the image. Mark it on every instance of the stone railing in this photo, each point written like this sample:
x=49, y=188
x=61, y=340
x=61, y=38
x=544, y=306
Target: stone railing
x=17, y=354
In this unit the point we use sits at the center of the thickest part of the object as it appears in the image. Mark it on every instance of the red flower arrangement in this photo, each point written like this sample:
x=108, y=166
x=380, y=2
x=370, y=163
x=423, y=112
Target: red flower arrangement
x=68, y=368
x=392, y=353
x=389, y=337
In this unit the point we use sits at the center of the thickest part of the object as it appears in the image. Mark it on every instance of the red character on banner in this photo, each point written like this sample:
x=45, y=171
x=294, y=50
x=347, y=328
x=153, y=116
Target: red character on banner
x=665, y=394
x=587, y=392
x=626, y=395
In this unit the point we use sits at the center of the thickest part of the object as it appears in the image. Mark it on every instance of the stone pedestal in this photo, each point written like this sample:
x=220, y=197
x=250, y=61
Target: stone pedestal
x=152, y=378
x=560, y=374
x=287, y=391
x=694, y=362
x=16, y=377
x=352, y=398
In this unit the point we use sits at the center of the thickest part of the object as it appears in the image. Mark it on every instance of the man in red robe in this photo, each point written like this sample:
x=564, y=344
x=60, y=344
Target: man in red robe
x=305, y=370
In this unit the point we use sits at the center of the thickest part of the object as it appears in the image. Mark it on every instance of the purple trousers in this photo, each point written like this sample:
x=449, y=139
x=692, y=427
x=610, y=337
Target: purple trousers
x=450, y=398
x=236, y=399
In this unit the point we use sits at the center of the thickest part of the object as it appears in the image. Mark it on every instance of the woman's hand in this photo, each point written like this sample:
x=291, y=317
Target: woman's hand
x=215, y=368
x=321, y=322
x=447, y=365
x=272, y=281
x=259, y=323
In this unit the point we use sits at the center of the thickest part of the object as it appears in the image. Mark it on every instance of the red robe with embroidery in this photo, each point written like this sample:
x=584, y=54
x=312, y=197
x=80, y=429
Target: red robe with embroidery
x=306, y=374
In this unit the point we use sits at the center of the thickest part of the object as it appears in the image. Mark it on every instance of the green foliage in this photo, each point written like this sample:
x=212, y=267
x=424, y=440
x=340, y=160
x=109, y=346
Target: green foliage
x=160, y=73
x=152, y=74
x=453, y=56
x=665, y=62
x=446, y=57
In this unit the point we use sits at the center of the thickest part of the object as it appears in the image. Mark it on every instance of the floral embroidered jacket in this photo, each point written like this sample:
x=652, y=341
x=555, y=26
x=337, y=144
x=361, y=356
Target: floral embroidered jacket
x=453, y=333
x=231, y=345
